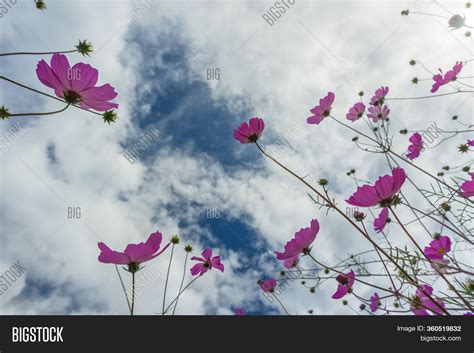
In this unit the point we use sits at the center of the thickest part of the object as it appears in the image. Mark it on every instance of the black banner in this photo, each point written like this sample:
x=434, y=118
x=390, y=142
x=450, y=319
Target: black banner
x=207, y=333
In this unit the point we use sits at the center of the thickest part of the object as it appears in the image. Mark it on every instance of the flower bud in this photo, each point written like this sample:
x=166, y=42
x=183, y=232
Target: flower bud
x=359, y=216
x=323, y=182
x=463, y=148
x=110, y=116
x=40, y=5
x=84, y=47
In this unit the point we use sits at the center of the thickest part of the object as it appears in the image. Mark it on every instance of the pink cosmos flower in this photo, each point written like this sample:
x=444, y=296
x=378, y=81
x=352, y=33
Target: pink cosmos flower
x=451, y=75
x=291, y=262
x=356, y=112
x=208, y=263
x=421, y=303
x=374, y=302
x=468, y=187
x=379, y=96
x=322, y=110
x=345, y=284
x=300, y=244
x=438, y=248
x=76, y=85
x=240, y=312
x=268, y=285
x=251, y=132
x=381, y=220
x=383, y=192
x=470, y=143
x=456, y=21
x=378, y=112
x=416, y=146
x=134, y=254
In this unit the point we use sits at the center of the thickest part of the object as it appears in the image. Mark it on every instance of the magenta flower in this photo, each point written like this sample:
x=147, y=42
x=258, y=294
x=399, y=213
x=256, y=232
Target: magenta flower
x=416, y=146
x=300, y=244
x=345, y=284
x=134, y=254
x=76, y=85
x=451, y=75
x=356, y=112
x=470, y=143
x=208, y=263
x=268, y=285
x=378, y=112
x=381, y=220
x=421, y=302
x=359, y=216
x=322, y=110
x=468, y=187
x=439, y=247
x=382, y=193
x=374, y=302
x=379, y=96
x=291, y=262
x=240, y=312
x=251, y=132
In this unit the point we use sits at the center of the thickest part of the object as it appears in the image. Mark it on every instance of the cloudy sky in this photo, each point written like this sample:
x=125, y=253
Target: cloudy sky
x=196, y=180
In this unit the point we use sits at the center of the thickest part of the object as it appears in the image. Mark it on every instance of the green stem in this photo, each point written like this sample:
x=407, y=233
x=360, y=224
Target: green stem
x=388, y=150
x=175, y=299
x=396, y=293
x=435, y=267
x=124, y=290
x=414, y=281
x=133, y=294
x=281, y=304
x=39, y=53
x=38, y=114
x=424, y=97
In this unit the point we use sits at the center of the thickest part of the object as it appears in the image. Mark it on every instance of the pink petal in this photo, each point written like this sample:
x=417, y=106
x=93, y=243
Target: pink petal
x=154, y=241
x=48, y=77
x=340, y=292
x=139, y=252
x=365, y=196
x=83, y=76
x=198, y=269
x=60, y=66
x=381, y=220
x=207, y=254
